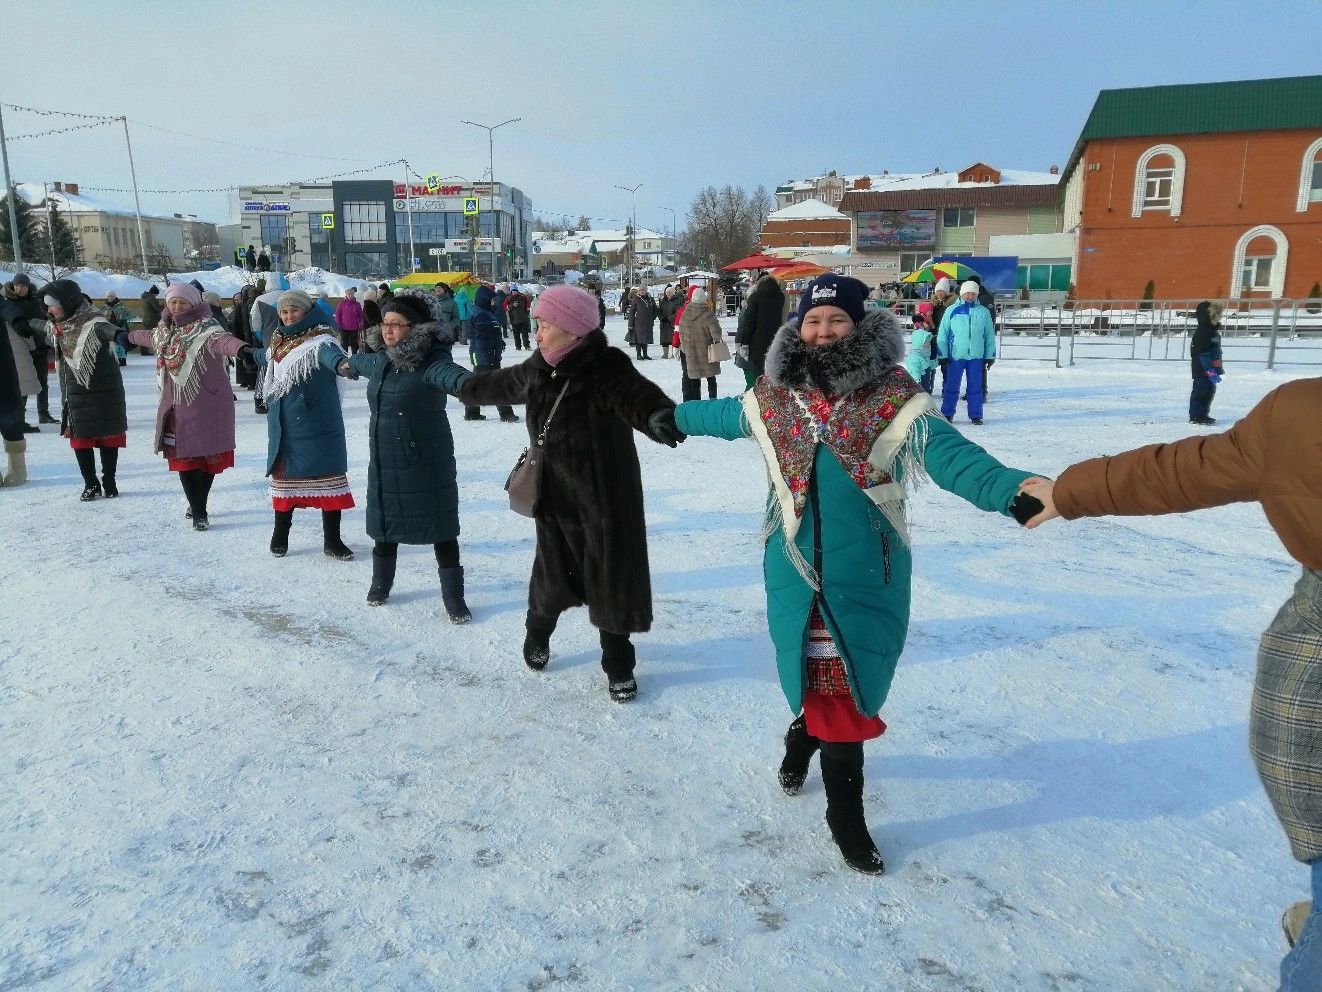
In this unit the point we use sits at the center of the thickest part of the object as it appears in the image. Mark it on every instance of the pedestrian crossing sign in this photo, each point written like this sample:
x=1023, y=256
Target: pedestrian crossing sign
x=328, y=222
x=470, y=206
x=434, y=182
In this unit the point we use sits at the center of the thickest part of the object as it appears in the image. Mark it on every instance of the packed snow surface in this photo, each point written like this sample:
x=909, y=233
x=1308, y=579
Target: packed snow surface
x=225, y=771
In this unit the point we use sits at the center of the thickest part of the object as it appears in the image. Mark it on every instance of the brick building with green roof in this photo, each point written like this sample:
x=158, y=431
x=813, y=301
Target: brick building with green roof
x=1207, y=189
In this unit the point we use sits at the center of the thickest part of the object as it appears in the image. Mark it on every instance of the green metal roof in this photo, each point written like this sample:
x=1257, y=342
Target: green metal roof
x=1202, y=108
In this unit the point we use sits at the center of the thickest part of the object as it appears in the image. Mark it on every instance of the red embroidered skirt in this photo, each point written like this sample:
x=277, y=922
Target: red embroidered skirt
x=328, y=492
x=109, y=441
x=828, y=705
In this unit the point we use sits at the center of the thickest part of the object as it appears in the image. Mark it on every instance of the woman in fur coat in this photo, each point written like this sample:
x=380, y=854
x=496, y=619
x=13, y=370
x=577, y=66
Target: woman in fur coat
x=306, y=456
x=846, y=434
x=412, y=493
x=92, y=390
x=591, y=533
x=195, y=416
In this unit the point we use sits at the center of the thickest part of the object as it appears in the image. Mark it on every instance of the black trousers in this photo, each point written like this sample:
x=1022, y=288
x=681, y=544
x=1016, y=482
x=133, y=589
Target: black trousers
x=39, y=359
x=522, y=336
x=691, y=389
x=473, y=411
x=447, y=552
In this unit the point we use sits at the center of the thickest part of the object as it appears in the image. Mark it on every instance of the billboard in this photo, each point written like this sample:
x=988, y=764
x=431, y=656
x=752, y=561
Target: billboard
x=896, y=230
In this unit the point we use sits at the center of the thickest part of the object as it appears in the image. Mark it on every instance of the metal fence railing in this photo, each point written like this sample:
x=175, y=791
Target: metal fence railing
x=1271, y=332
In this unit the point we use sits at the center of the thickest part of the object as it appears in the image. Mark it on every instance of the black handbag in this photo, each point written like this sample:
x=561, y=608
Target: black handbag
x=524, y=483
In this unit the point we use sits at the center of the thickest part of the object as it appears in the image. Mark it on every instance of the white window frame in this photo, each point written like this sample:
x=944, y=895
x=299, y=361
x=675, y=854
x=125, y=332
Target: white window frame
x=1153, y=178
x=1177, y=181
x=1253, y=267
x=1276, y=288
x=1306, y=177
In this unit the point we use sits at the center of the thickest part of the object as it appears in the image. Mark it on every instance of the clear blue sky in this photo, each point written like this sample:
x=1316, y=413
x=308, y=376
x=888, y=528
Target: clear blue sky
x=672, y=94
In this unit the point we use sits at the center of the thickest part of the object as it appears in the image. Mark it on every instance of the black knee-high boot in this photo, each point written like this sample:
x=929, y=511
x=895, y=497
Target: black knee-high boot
x=800, y=746
x=330, y=536
x=842, y=774
x=385, y=555
x=284, y=519
x=109, y=462
x=87, y=469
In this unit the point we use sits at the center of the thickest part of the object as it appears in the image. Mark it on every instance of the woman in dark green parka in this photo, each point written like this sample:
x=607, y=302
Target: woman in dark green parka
x=412, y=496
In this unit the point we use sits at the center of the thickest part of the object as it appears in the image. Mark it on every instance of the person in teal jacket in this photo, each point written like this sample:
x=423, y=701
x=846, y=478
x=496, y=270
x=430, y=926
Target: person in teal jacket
x=846, y=434
x=965, y=343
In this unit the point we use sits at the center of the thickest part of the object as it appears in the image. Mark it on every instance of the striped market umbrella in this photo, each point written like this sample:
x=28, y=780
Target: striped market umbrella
x=937, y=271
x=799, y=270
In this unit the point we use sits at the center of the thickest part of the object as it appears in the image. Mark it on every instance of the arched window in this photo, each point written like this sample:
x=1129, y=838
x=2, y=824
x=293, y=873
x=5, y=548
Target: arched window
x=1310, y=177
x=1159, y=181
x=1259, y=262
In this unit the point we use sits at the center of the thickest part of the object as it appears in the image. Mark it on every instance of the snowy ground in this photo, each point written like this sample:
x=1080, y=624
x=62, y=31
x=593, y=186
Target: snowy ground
x=224, y=771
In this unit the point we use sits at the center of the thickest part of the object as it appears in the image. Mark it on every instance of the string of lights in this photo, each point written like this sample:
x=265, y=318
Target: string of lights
x=227, y=189
x=60, y=113
x=61, y=130
x=238, y=144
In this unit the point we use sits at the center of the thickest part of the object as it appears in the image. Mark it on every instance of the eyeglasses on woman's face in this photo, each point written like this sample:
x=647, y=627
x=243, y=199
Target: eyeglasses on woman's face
x=396, y=325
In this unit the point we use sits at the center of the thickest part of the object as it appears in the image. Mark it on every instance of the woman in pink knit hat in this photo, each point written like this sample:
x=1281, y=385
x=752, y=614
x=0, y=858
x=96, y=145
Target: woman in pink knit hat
x=591, y=533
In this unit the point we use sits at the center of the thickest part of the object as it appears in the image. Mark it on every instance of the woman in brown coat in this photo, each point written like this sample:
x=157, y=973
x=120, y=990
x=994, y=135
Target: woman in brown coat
x=698, y=328
x=1273, y=457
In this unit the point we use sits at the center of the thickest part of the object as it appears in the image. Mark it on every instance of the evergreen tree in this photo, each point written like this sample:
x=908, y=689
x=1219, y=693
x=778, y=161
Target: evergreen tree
x=63, y=243
x=30, y=234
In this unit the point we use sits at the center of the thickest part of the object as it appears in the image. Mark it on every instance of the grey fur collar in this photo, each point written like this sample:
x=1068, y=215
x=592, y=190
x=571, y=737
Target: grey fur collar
x=864, y=357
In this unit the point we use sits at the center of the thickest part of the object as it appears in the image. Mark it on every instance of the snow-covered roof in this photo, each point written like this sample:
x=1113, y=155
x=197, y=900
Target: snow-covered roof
x=36, y=195
x=810, y=209
x=893, y=181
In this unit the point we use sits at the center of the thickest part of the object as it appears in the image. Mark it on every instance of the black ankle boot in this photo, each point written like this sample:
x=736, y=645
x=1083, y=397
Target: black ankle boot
x=842, y=774
x=537, y=643
x=800, y=746
x=330, y=537
x=91, y=490
x=452, y=594
x=618, y=661
x=108, y=485
x=383, y=579
x=284, y=519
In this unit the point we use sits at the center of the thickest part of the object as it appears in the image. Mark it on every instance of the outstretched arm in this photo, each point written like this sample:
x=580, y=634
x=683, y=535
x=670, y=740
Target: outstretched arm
x=1192, y=474
x=722, y=418
x=629, y=394
x=447, y=377
x=498, y=387
x=961, y=467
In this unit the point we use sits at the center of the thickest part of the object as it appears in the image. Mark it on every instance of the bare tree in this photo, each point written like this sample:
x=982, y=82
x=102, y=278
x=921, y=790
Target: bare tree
x=724, y=224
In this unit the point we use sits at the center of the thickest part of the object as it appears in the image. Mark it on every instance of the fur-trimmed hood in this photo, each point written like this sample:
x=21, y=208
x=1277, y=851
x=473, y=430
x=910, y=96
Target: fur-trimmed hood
x=874, y=348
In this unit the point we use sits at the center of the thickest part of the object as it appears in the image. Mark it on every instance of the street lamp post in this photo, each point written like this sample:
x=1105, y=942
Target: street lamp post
x=491, y=173
x=633, y=224
x=672, y=235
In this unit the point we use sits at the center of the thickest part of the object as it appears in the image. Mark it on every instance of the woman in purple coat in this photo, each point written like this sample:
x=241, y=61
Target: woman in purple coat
x=195, y=420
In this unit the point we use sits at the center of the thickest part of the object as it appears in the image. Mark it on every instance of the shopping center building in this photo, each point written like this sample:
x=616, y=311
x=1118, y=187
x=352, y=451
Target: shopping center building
x=380, y=229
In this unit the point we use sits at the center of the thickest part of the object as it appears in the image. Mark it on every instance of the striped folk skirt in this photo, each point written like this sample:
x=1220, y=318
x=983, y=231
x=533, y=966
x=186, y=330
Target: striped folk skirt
x=1285, y=724
x=828, y=704
x=328, y=492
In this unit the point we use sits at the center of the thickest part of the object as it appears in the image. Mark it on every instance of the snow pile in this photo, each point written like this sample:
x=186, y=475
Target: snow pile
x=93, y=282
x=225, y=771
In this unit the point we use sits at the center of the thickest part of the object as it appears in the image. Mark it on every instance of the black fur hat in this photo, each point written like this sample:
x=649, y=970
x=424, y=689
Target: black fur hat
x=66, y=292
x=411, y=308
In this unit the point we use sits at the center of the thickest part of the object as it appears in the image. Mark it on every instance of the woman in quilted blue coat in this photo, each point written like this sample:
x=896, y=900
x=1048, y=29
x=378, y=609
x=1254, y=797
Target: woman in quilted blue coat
x=412, y=493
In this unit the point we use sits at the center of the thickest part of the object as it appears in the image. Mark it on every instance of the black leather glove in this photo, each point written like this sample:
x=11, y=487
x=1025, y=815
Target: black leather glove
x=346, y=370
x=122, y=339
x=943, y=362
x=661, y=427
x=1025, y=508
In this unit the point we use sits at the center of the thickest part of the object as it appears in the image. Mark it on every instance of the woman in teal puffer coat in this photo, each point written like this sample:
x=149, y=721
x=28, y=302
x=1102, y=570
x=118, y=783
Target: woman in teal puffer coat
x=412, y=493
x=846, y=433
